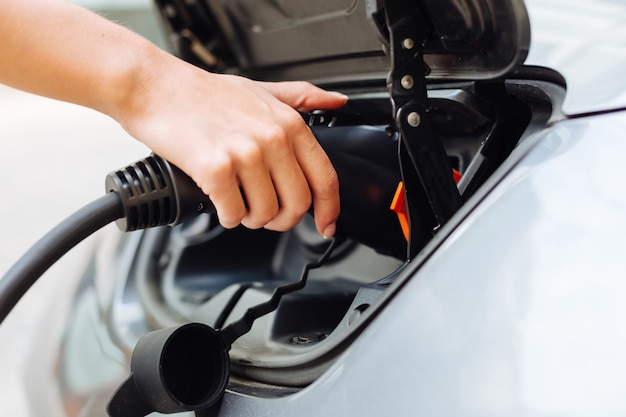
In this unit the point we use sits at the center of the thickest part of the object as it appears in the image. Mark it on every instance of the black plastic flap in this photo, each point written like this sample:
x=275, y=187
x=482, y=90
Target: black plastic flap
x=335, y=40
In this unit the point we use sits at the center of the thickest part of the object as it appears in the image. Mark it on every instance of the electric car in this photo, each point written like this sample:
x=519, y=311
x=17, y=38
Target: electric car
x=479, y=263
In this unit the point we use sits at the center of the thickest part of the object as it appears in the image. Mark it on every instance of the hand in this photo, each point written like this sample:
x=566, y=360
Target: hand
x=228, y=133
x=234, y=135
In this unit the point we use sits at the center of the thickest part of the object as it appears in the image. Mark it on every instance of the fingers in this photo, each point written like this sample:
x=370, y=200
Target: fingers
x=291, y=184
x=257, y=187
x=281, y=175
x=313, y=162
x=298, y=169
x=215, y=175
x=322, y=180
x=240, y=186
x=304, y=96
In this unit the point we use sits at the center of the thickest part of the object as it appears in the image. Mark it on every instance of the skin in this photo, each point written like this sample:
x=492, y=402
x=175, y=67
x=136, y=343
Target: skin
x=226, y=132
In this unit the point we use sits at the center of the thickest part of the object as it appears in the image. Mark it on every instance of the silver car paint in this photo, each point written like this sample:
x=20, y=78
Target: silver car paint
x=520, y=312
x=585, y=41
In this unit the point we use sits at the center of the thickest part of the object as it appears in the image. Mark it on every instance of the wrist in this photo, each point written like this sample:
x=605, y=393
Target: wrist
x=130, y=79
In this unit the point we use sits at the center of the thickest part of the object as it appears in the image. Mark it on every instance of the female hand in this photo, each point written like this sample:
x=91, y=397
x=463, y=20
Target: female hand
x=243, y=143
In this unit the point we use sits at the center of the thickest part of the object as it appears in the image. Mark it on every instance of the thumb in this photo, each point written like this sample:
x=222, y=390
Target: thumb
x=304, y=96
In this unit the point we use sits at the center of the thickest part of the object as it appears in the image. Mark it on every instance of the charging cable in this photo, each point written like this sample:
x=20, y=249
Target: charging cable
x=149, y=193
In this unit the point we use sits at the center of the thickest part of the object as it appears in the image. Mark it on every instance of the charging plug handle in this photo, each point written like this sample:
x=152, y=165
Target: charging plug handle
x=155, y=193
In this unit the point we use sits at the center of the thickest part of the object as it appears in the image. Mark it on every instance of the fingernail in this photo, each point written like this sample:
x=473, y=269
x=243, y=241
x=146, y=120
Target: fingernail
x=339, y=95
x=329, y=231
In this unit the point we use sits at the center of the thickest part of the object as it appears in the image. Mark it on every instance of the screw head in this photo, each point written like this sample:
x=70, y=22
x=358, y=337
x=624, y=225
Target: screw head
x=408, y=43
x=413, y=119
x=407, y=82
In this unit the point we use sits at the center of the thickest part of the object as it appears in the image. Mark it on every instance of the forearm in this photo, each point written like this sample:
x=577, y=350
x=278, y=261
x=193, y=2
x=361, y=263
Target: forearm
x=227, y=132
x=59, y=50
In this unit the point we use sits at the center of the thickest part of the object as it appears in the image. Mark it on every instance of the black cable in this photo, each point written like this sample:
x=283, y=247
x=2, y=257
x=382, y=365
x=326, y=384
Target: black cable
x=49, y=249
x=148, y=193
x=242, y=326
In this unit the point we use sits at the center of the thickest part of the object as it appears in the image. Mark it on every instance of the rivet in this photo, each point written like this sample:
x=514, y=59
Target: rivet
x=414, y=119
x=408, y=43
x=407, y=82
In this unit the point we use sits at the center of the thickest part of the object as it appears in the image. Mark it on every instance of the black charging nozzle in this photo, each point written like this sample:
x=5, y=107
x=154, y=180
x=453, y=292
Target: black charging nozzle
x=153, y=193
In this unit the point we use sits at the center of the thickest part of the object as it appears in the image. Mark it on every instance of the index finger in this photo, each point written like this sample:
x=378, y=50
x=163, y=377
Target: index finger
x=322, y=179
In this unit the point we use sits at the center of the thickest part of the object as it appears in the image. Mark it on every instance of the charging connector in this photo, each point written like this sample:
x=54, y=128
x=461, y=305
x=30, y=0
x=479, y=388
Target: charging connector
x=156, y=193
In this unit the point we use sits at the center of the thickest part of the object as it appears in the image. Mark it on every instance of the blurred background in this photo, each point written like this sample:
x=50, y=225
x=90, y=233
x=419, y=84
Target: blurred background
x=54, y=157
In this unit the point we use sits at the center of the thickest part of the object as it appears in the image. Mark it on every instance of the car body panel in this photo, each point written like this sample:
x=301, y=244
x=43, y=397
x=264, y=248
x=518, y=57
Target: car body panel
x=519, y=312
x=585, y=43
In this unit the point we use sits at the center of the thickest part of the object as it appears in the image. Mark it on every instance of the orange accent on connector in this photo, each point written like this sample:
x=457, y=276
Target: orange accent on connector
x=456, y=175
x=398, y=205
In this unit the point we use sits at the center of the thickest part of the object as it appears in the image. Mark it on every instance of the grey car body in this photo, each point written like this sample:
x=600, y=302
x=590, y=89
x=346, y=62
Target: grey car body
x=514, y=307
